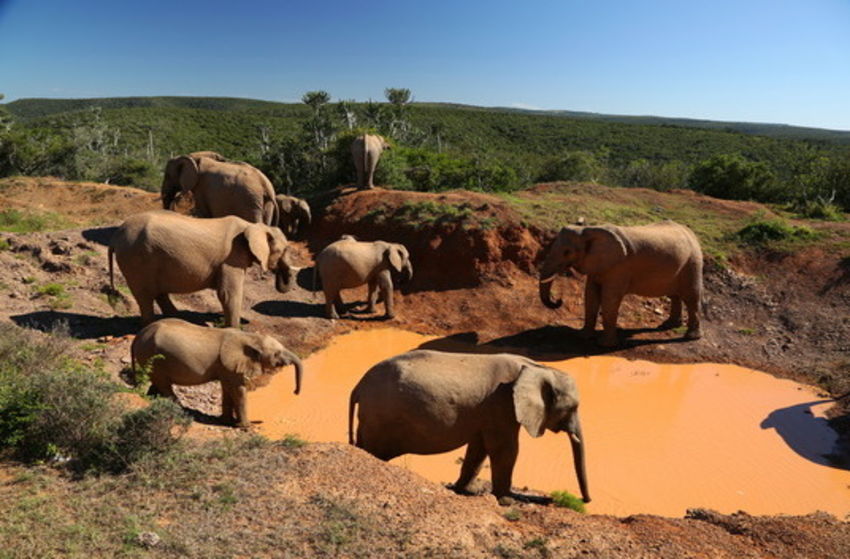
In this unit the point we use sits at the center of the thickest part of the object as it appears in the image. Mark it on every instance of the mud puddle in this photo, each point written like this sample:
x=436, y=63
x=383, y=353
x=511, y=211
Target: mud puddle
x=660, y=438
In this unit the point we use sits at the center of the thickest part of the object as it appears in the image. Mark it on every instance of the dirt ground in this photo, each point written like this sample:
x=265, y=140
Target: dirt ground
x=784, y=313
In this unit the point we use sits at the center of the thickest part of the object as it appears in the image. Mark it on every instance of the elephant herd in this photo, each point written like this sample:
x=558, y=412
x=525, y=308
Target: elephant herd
x=421, y=402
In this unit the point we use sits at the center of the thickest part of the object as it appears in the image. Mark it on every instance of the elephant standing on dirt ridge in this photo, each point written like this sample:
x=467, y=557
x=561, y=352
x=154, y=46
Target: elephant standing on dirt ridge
x=185, y=354
x=648, y=260
x=163, y=252
x=348, y=263
x=219, y=187
x=366, y=149
x=294, y=214
x=429, y=402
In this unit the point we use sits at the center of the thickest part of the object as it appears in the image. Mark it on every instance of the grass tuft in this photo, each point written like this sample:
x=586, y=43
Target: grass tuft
x=565, y=499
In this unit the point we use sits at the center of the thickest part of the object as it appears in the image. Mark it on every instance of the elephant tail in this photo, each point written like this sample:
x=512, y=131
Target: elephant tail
x=352, y=401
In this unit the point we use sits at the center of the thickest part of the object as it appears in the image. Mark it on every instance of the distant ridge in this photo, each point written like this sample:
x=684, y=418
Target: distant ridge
x=30, y=109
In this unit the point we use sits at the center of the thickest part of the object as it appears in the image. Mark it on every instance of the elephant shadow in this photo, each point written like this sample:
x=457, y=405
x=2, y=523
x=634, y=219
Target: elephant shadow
x=548, y=343
x=812, y=438
x=85, y=326
x=99, y=235
x=290, y=309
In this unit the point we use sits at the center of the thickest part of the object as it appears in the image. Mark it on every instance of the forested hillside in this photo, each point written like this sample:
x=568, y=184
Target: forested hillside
x=303, y=146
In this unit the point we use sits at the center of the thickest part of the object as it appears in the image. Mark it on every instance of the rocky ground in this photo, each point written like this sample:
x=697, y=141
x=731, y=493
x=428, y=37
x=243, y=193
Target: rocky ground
x=474, y=255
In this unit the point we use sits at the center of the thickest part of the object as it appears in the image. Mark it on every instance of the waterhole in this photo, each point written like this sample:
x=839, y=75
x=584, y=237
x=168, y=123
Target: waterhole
x=659, y=438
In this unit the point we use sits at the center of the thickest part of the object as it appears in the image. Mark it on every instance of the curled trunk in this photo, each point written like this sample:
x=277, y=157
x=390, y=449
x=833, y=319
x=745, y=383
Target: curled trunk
x=545, y=289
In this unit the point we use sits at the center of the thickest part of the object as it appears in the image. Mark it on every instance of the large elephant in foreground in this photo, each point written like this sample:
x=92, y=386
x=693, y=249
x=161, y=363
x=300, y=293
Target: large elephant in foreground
x=220, y=187
x=348, y=263
x=649, y=260
x=366, y=149
x=428, y=402
x=177, y=352
x=162, y=252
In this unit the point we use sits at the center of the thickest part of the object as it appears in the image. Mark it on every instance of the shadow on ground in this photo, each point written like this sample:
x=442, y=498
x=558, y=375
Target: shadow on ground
x=86, y=326
x=810, y=437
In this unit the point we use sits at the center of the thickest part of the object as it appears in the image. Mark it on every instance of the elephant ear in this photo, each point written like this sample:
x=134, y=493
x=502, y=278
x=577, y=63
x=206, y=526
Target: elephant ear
x=603, y=247
x=394, y=256
x=257, y=236
x=188, y=173
x=241, y=354
x=532, y=398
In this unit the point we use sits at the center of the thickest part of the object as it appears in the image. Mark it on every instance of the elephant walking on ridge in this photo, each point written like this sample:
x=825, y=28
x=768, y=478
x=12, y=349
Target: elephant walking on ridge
x=220, y=187
x=429, y=402
x=648, y=260
x=185, y=354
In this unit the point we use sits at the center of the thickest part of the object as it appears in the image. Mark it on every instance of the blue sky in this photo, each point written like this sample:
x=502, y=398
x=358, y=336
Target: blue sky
x=745, y=60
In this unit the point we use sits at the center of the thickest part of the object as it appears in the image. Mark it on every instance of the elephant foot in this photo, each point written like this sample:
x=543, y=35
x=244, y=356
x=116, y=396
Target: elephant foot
x=586, y=333
x=389, y=316
x=693, y=334
x=506, y=501
x=670, y=323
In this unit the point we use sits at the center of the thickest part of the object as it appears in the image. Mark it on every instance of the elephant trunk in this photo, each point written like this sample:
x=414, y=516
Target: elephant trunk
x=578, y=458
x=299, y=369
x=283, y=277
x=545, y=288
x=408, y=271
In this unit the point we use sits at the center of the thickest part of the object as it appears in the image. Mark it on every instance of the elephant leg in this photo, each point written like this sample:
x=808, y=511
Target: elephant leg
x=239, y=395
x=161, y=386
x=385, y=284
x=475, y=455
x=592, y=297
x=675, y=318
x=612, y=296
x=331, y=297
x=226, y=405
x=145, y=302
x=692, y=301
x=373, y=296
x=503, y=453
x=166, y=305
x=230, y=295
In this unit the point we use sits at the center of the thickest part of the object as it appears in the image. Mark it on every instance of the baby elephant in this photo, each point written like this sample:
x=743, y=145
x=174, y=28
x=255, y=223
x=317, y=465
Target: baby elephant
x=186, y=354
x=428, y=402
x=349, y=263
x=294, y=213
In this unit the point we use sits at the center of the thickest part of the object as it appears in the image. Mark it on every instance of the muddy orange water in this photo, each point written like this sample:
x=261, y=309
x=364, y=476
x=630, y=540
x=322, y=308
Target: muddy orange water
x=659, y=438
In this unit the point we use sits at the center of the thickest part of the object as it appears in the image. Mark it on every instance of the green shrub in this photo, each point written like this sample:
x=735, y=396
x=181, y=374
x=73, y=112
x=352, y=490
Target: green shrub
x=817, y=209
x=733, y=177
x=16, y=221
x=641, y=173
x=51, y=408
x=574, y=166
x=567, y=500
x=767, y=231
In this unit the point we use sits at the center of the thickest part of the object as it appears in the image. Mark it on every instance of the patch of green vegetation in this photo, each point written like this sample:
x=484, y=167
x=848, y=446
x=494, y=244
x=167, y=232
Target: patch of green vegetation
x=747, y=331
x=28, y=280
x=775, y=233
x=513, y=515
x=86, y=258
x=92, y=346
x=291, y=441
x=429, y=213
x=567, y=500
x=16, y=221
x=539, y=544
x=59, y=298
x=4, y=244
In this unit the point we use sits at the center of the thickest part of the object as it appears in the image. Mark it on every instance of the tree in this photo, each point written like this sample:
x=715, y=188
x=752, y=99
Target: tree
x=399, y=98
x=316, y=100
x=733, y=177
x=346, y=110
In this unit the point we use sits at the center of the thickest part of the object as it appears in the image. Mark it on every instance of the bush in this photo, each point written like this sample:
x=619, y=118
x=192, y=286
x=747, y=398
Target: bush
x=53, y=409
x=428, y=171
x=641, y=173
x=763, y=232
x=567, y=500
x=734, y=178
x=574, y=166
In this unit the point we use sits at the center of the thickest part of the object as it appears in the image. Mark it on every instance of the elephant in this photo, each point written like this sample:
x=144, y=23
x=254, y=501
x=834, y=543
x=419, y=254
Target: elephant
x=348, y=263
x=219, y=187
x=177, y=352
x=293, y=214
x=649, y=260
x=366, y=149
x=429, y=402
x=161, y=252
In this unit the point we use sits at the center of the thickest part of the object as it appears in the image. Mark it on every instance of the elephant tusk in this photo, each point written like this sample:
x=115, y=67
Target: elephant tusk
x=575, y=438
x=549, y=279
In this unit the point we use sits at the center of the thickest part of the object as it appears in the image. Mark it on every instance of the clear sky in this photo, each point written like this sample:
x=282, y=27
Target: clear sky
x=782, y=61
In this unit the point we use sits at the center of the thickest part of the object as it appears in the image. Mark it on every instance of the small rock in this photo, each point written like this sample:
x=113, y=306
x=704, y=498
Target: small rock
x=125, y=360
x=148, y=539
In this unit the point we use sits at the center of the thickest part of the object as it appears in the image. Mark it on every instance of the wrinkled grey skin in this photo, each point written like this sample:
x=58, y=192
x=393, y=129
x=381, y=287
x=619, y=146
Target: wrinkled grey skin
x=648, y=260
x=349, y=263
x=366, y=150
x=189, y=355
x=219, y=187
x=294, y=214
x=163, y=252
x=429, y=402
